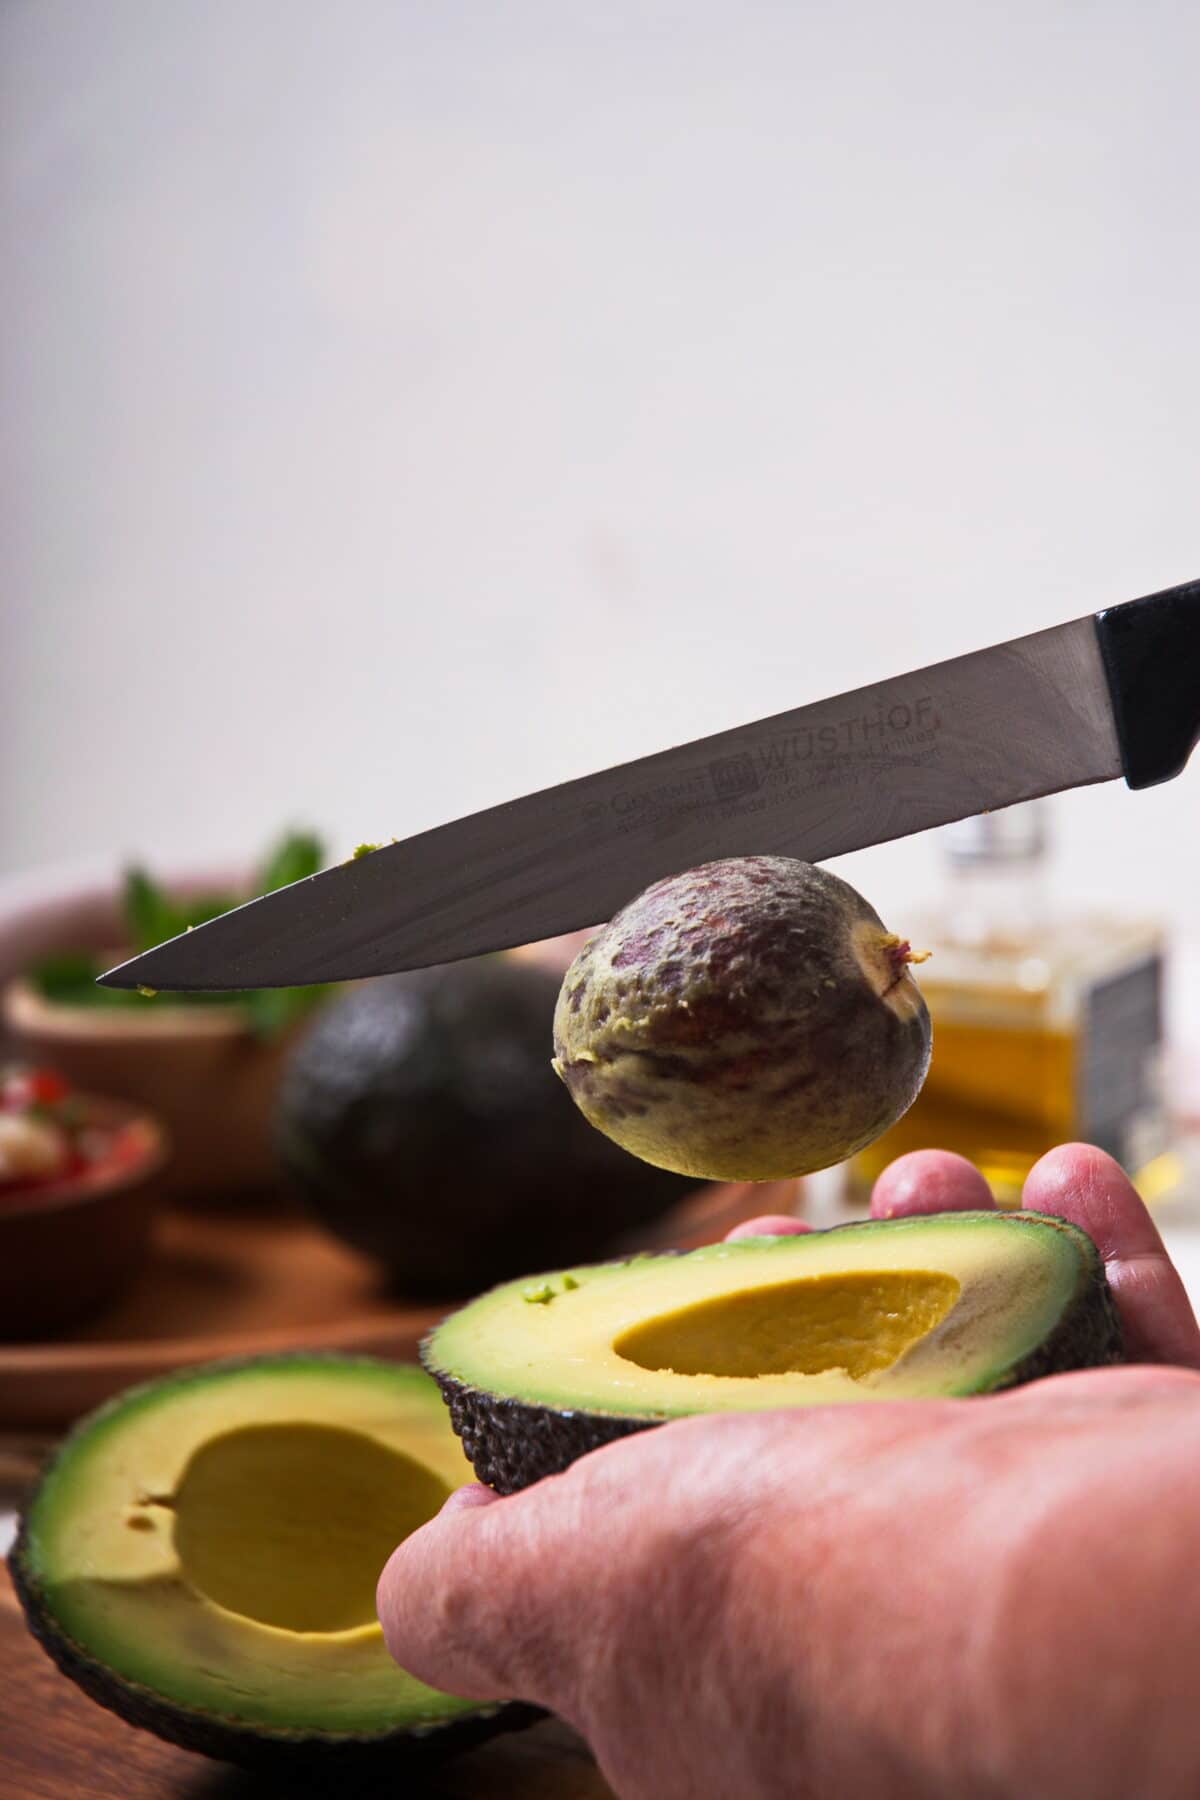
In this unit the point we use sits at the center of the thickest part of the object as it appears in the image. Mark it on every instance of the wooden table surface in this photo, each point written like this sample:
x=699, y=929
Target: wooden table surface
x=56, y=1744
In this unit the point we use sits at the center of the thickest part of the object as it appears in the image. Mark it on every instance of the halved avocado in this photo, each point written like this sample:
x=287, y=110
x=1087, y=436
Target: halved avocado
x=201, y=1557
x=538, y=1372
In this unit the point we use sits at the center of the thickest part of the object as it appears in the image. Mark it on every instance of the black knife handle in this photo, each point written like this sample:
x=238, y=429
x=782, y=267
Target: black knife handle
x=1151, y=651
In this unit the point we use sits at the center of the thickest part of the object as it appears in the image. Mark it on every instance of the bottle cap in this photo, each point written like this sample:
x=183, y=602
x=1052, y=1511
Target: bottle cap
x=1016, y=835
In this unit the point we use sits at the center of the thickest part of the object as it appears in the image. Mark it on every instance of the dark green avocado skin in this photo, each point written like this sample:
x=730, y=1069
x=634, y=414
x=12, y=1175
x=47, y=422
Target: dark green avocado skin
x=325, y=1762
x=422, y=1121
x=513, y=1443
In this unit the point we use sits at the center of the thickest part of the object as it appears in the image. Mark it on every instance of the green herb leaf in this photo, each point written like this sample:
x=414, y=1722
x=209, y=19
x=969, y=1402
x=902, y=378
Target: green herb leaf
x=297, y=855
x=62, y=977
x=270, y=1011
x=69, y=979
x=203, y=907
x=150, y=917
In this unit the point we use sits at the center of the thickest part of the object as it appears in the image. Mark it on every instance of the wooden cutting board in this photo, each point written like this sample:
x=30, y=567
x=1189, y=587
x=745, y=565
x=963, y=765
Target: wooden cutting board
x=55, y=1744
x=222, y=1284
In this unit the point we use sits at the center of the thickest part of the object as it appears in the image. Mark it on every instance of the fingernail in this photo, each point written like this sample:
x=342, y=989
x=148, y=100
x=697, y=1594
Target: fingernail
x=474, y=1494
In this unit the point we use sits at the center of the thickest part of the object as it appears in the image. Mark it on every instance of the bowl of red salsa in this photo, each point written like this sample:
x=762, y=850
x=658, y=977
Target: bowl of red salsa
x=78, y=1193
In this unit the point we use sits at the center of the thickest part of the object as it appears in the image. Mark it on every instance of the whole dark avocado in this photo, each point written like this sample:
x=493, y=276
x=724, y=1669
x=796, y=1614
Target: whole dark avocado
x=742, y=1021
x=421, y=1120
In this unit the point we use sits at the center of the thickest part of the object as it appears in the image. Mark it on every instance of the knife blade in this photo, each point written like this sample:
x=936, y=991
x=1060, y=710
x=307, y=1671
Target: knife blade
x=1113, y=693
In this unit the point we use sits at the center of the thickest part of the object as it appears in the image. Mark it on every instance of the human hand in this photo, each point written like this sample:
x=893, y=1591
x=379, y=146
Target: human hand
x=930, y=1598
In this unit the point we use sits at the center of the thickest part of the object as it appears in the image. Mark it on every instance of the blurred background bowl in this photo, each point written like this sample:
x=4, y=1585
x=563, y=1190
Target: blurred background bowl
x=200, y=1069
x=67, y=1246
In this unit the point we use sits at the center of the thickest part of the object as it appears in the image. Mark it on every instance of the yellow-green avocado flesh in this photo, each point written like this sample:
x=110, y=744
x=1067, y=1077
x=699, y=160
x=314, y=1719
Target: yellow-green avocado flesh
x=538, y=1372
x=202, y=1554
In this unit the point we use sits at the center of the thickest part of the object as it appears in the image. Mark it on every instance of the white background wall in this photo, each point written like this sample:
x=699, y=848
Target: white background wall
x=406, y=405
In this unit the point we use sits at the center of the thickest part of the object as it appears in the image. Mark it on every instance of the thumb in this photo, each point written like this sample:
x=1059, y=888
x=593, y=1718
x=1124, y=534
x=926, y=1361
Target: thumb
x=473, y=1494
x=461, y=1600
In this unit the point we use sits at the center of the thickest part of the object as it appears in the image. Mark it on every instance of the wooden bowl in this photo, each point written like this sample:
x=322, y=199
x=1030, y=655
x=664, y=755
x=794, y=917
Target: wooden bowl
x=197, y=1068
x=68, y=1246
x=200, y=1069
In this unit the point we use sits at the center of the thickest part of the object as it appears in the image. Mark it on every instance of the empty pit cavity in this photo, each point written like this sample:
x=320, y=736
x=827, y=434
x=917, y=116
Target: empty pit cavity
x=291, y=1524
x=861, y=1321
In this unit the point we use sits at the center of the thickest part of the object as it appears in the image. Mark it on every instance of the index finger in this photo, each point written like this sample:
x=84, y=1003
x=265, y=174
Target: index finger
x=930, y=1181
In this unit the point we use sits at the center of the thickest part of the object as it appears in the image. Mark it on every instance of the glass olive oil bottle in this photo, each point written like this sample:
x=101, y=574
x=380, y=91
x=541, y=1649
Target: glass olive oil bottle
x=1044, y=1030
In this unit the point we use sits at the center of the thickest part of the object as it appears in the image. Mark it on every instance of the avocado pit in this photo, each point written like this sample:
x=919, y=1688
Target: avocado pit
x=747, y=1020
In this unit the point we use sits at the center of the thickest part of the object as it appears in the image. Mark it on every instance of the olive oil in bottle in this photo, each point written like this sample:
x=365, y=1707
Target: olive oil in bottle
x=1045, y=1030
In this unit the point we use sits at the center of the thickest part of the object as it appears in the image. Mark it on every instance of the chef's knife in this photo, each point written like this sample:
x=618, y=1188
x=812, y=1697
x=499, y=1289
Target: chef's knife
x=1113, y=694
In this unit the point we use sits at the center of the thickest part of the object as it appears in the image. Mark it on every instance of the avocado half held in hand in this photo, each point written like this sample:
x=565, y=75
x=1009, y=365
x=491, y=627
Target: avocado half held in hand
x=421, y=1120
x=537, y=1373
x=746, y=1020
x=201, y=1557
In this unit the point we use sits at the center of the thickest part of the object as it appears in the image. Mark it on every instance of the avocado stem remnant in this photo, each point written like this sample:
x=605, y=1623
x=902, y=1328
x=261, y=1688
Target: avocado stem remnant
x=900, y=955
